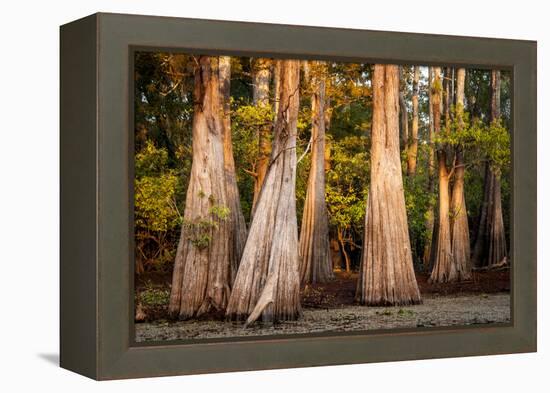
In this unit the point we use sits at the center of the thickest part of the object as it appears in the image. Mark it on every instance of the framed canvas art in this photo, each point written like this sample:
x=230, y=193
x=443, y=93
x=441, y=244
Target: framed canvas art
x=242, y=196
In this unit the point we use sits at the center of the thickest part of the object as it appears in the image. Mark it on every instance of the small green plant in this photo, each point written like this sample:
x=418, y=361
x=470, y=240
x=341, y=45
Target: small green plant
x=199, y=230
x=405, y=313
x=153, y=296
x=220, y=212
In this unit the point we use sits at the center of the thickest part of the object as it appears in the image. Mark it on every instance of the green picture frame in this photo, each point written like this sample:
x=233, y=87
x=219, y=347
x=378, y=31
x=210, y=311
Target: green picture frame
x=96, y=316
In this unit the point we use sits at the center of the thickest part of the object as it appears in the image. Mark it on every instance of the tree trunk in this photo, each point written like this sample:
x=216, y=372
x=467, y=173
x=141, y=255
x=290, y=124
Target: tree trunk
x=343, y=247
x=490, y=245
x=336, y=255
x=447, y=96
x=276, y=85
x=387, y=275
x=261, y=76
x=412, y=149
x=404, y=115
x=430, y=215
x=445, y=268
x=268, y=280
x=460, y=233
x=201, y=278
x=236, y=222
x=316, y=264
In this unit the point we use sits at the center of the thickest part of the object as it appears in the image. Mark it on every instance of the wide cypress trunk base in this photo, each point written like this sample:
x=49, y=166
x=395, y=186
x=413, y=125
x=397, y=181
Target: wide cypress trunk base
x=386, y=276
x=267, y=285
x=201, y=277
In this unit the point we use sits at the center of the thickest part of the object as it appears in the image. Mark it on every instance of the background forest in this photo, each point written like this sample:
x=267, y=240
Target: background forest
x=163, y=148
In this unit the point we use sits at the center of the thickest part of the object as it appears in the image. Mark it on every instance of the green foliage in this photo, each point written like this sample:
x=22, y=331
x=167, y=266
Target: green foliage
x=155, y=204
x=495, y=145
x=155, y=191
x=153, y=296
x=246, y=121
x=405, y=312
x=220, y=212
x=347, y=187
x=156, y=214
x=489, y=141
x=418, y=203
x=199, y=230
x=249, y=118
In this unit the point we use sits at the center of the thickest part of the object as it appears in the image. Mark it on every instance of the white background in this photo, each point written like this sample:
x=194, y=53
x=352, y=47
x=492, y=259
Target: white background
x=29, y=184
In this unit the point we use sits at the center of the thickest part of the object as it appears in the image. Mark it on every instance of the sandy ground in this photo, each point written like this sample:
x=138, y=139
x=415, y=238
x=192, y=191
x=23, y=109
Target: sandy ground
x=435, y=311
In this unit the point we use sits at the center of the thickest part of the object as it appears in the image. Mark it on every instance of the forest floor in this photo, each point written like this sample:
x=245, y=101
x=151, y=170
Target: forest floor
x=331, y=308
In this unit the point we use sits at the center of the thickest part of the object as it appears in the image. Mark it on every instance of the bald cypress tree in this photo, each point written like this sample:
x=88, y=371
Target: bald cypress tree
x=386, y=276
x=236, y=222
x=202, y=269
x=268, y=282
x=490, y=244
x=316, y=264
x=261, y=77
x=446, y=268
x=460, y=232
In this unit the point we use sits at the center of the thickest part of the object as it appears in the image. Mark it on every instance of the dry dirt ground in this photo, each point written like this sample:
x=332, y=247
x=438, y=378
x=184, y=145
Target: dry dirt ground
x=331, y=308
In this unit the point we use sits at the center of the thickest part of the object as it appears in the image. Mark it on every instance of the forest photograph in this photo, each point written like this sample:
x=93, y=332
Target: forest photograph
x=291, y=196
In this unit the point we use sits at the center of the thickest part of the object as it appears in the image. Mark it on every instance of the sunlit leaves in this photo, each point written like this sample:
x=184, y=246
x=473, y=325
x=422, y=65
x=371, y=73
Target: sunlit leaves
x=490, y=141
x=347, y=183
x=155, y=190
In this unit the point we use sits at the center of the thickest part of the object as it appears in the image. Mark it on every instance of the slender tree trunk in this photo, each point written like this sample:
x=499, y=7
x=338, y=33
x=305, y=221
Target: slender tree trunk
x=261, y=77
x=490, y=245
x=236, y=222
x=305, y=70
x=336, y=254
x=387, y=275
x=478, y=259
x=412, y=149
x=201, y=278
x=404, y=115
x=268, y=280
x=445, y=267
x=343, y=246
x=460, y=233
x=316, y=264
x=430, y=215
x=276, y=84
x=447, y=96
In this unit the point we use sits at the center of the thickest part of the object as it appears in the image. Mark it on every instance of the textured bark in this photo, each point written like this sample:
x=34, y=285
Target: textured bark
x=268, y=280
x=236, y=222
x=261, y=77
x=460, y=232
x=316, y=264
x=490, y=244
x=342, y=243
x=430, y=215
x=412, y=149
x=387, y=275
x=276, y=85
x=446, y=99
x=305, y=70
x=445, y=268
x=336, y=254
x=201, y=278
